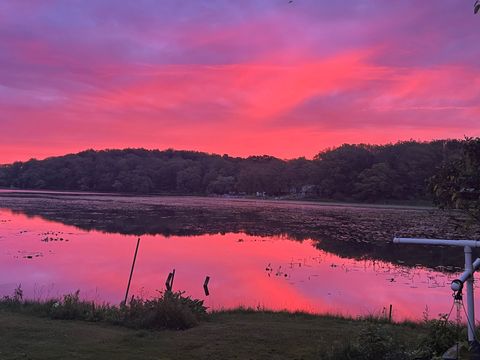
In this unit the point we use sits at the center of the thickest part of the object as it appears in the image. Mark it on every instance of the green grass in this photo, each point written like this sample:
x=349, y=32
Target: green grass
x=225, y=335
x=173, y=326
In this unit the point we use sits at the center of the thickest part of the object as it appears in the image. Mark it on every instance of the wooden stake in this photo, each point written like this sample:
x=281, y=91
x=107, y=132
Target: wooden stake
x=131, y=272
x=205, y=286
x=169, y=282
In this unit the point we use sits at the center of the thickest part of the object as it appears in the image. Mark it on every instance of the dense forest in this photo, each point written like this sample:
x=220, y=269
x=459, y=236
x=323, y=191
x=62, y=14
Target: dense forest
x=378, y=173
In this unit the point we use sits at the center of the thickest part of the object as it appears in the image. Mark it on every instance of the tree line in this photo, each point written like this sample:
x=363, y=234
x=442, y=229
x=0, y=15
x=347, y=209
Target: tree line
x=358, y=172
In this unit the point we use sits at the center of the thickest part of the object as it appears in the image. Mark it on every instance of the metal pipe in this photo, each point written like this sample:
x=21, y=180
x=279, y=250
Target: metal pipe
x=470, y=303
x=463, y=243
x=466, y=276
x=457, y=284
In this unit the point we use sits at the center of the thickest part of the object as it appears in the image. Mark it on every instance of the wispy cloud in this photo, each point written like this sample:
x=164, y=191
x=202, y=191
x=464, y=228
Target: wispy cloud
x=239, y=77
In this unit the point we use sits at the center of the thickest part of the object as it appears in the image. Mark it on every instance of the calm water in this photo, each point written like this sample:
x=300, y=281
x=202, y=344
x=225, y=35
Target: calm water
x=49, y=259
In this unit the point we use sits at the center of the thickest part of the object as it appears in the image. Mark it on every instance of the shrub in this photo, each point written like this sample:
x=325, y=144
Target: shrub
x=374, y=342
x=170, y=310
x=15, y=301
x=441, y=335
x=72, y=308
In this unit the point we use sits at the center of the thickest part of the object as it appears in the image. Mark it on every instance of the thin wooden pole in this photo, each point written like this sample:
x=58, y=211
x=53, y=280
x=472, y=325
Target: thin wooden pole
x=390, y=314
x=131, y=272
x=169, y=282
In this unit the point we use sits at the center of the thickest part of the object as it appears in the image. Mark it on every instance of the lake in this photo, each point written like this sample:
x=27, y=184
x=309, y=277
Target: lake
x=320, y=258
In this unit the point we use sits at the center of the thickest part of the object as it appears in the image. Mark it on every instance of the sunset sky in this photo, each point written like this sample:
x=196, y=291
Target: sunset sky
x=241, y=77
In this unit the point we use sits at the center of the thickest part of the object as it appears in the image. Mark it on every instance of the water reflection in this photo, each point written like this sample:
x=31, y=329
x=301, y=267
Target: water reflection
x=51, y=258
x=351, y=232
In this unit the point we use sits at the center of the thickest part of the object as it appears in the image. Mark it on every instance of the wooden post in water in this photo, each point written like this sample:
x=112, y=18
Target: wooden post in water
x=390, y=314
x=131, y=272
x=169, y=282
x=205, y=286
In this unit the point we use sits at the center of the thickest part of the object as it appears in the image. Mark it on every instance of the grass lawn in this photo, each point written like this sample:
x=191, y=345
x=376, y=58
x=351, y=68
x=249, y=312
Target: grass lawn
x=227, y=335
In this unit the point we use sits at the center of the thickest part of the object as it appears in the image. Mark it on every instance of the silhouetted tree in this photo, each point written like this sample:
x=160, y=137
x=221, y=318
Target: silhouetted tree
x=376, y=173
x=457, y=183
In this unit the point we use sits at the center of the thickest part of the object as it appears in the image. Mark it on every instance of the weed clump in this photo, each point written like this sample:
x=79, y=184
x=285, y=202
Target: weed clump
x=375, y=341
x=171, y=310
x=441, y=335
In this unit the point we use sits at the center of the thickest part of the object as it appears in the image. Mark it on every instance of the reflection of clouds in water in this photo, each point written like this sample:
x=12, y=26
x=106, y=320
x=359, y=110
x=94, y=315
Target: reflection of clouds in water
x=349, y=231
x=391, y=272
x=320, y=270
x=272, y=272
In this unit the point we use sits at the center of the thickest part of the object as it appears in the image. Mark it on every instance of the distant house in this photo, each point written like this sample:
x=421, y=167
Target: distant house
x=309, y=190
x=305, y=191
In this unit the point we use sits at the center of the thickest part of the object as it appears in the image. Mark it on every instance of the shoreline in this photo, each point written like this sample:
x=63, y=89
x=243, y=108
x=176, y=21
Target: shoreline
x=280, y=201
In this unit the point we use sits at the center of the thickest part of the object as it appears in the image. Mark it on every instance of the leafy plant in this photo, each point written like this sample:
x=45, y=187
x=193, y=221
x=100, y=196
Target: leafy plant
x=170, y=310
x=441, y=335
x=456, y=185
x=374, y=342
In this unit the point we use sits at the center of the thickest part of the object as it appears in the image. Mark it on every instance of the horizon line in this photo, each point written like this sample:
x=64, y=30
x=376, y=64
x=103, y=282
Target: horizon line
x=106, y=149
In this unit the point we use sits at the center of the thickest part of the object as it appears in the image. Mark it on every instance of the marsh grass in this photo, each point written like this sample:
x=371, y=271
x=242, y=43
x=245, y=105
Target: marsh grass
x=170, y=310
x=369, y=318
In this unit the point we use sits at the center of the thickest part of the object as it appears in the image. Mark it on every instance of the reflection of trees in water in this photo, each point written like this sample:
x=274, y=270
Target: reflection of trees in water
x=348, y=232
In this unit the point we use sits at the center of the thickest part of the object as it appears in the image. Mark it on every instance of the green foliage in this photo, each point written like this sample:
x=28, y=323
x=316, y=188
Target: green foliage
x=15, y=301
x=441, y=335
x=171, y=310
x=350, y=172
x=71, y=307
x=374, y=342
x=376, y=339
x=457, y=183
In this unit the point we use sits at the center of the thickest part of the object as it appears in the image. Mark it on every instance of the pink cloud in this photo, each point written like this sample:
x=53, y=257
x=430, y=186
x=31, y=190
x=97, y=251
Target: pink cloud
x=242, y=80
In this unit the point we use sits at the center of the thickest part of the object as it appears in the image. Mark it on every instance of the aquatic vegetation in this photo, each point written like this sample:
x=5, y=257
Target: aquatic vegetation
x=348, y=230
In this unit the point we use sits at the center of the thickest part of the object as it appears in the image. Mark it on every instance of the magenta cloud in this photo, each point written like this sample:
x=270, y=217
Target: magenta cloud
x=234, y=77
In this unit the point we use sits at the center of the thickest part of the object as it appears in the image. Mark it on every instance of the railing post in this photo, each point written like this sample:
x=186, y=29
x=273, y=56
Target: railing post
x=470, y=300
